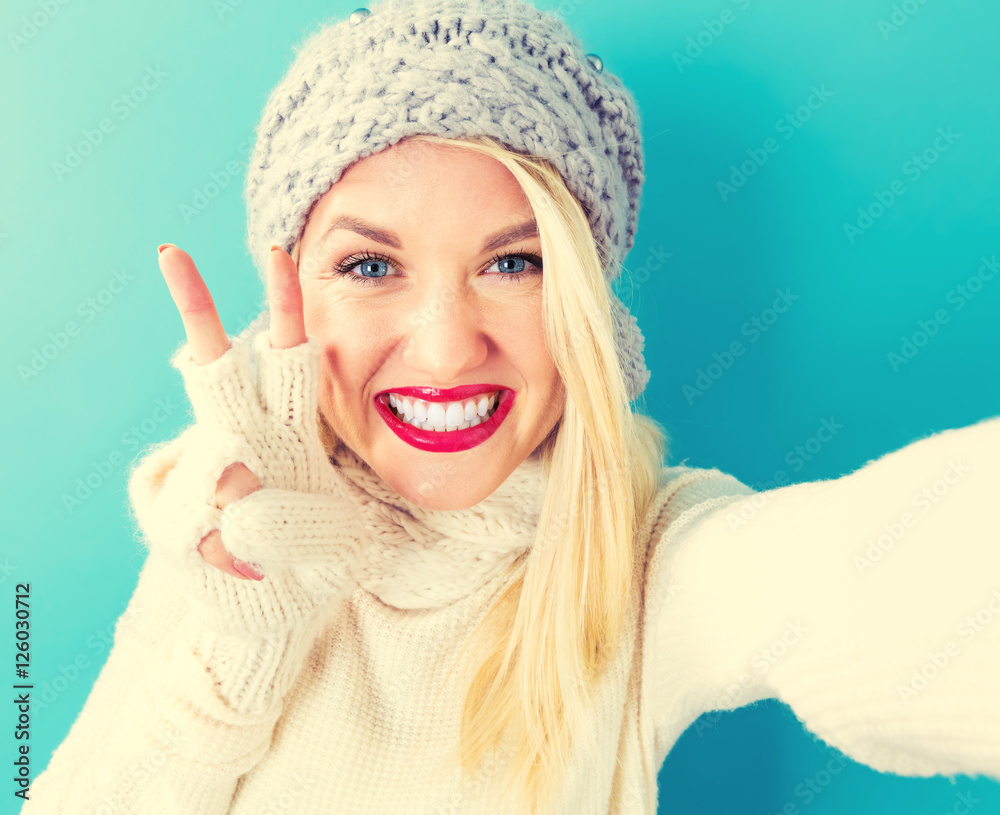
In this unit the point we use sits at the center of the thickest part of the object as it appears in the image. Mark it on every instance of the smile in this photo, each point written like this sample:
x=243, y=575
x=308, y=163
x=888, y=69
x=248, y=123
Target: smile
x=444, y=426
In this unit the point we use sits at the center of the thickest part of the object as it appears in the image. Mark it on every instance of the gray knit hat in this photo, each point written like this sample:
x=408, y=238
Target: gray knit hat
x=451, y=68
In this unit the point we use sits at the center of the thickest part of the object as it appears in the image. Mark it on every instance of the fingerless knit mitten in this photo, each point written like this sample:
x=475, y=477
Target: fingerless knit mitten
x=300, y=528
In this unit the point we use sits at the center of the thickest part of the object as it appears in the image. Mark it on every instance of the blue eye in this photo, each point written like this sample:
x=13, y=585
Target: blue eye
x=517, y=262
x=512, y=266
x=373, y=269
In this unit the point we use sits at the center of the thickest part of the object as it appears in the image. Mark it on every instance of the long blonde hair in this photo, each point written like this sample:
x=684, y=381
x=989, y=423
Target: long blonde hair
x=544, y=640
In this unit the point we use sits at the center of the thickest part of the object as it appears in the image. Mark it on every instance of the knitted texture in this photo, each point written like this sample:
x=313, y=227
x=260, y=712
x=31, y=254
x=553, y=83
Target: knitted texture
x=869, y=603
x=741, y=597
x=257, y=406
x=419, y=558
x=452, y=68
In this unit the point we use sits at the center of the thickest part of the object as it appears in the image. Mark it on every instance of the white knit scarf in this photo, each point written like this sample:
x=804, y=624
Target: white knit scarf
x=417, y=558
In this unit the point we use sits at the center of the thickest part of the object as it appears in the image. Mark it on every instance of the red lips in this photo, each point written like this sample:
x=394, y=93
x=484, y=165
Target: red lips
x=449, y=441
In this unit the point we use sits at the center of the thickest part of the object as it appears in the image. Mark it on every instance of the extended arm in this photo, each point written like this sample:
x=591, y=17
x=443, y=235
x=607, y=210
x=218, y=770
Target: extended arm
x=869, y=603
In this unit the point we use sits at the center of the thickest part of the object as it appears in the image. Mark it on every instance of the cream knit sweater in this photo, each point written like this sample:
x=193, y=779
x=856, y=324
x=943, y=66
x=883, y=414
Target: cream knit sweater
x=869, y=603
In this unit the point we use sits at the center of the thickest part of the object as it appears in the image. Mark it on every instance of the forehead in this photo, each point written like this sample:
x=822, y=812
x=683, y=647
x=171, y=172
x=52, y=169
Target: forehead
x=419, y=164
x=417, y=182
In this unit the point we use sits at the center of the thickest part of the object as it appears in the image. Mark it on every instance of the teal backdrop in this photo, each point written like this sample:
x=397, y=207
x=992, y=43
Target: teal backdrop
x=822, y=188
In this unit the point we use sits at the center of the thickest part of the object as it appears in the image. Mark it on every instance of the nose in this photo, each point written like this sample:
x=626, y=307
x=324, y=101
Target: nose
x=445, y=337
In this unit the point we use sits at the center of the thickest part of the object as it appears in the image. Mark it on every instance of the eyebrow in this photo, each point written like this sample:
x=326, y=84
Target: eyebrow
x=528, y=229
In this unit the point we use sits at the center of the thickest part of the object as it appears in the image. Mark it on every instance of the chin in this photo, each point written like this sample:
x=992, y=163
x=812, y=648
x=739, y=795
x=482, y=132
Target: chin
x=436, y=491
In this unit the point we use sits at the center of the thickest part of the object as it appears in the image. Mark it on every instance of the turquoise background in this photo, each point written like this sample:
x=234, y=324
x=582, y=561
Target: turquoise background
x=720, y=259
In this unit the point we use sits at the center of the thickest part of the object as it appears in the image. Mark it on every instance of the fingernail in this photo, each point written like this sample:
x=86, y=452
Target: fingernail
x=163, y=246
x=274, y=246
x=246, y=569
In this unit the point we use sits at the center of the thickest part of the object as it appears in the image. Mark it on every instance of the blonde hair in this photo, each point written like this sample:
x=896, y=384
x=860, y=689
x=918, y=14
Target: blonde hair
x=543, y=642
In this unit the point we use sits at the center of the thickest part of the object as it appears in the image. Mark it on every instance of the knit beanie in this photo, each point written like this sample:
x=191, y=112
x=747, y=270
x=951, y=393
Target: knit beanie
x=452, y=68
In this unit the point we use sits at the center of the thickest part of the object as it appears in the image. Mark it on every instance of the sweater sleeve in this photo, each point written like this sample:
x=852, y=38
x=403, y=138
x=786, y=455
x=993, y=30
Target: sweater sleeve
x=869, y=603
x=194, y=684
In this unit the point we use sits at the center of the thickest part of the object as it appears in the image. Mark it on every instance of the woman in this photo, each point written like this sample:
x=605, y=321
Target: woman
x=355, y=603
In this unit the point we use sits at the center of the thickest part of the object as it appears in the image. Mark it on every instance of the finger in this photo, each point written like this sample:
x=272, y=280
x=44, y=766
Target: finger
x=236, y=482
x=284, y=295
x=213, y=552
x=207, y=339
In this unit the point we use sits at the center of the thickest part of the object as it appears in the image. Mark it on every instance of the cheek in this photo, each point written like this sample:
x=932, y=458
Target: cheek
x=524, y=339
x=335, y=321
x=320, y=313
x=353, y=341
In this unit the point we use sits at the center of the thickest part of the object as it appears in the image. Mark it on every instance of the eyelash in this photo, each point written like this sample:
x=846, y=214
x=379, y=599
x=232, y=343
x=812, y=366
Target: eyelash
x=346, y=266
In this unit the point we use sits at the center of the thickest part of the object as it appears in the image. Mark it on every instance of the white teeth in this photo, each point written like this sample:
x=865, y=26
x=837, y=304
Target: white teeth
x=441, y=417
x=454, y=415
x=436, y=415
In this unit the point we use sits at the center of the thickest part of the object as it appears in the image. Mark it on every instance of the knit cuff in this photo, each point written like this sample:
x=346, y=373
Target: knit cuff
x=222, y=393
x=268, y=397
x=292, y=449
x=287, y=378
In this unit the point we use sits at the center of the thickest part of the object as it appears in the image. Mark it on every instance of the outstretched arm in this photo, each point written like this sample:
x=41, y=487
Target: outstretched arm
x=869, y=603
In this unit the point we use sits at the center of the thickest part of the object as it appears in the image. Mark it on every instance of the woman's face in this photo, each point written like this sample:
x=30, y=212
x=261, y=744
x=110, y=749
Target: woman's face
x=426, y=305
